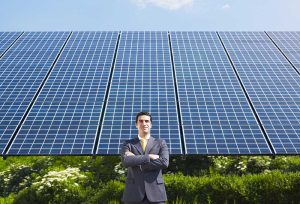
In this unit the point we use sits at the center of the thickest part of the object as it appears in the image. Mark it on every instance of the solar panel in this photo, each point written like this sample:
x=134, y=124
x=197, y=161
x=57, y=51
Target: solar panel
x=74, y=94
x=272, y=84
x=216, y=116
x=289, y=43
x=142, y=81
x=6, y=39
x=22, y=70
x=66, y=114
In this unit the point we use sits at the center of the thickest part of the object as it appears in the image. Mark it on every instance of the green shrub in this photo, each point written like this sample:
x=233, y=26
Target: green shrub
x=8, y=200
x=258, y=164
x=103, y=169
x=14, y=179
x=221, y=188
x=67, y=187
x=191, y=165
x=19, y=175
x=212, y=189
x=286, y=164
x=55, y=187
x=273, y=187
x=294, y=193
x=22, y=160
x=102, y=180
x=180, y=185
x=111, y=192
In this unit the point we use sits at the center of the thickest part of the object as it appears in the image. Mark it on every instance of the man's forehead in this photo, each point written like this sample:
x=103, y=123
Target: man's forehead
x=144, y=117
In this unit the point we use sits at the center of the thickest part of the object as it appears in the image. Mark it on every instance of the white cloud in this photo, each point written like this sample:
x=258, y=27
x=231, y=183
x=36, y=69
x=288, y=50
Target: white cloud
x=166, y=4
x=226, y=6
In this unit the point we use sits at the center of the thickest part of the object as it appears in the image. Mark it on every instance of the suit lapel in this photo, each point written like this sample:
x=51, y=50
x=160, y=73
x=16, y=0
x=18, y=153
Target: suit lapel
x=149, y=145
x=138, y=146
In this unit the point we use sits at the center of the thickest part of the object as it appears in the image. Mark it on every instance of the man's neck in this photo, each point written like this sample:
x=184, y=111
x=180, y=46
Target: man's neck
x=145, y=136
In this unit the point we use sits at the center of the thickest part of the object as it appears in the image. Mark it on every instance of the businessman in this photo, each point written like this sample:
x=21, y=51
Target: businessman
x=145, y=157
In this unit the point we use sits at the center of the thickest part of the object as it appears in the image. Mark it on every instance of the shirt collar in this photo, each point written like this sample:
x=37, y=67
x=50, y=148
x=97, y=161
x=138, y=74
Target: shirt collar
x=146, y=138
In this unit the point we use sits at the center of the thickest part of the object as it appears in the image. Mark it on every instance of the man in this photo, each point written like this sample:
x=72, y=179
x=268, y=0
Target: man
x=145, y=157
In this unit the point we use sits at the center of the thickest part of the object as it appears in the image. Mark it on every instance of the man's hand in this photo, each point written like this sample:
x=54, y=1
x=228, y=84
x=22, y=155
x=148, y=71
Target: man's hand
x=129, y=153
x=153, y=156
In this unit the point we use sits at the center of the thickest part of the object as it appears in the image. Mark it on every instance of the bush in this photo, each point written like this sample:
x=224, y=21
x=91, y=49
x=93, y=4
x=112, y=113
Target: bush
x=183, y=187
x=8, y=200
x=14, y=179
x=295, y=186
x=212, y=189
x=196, y=165
x=55, y=187
x=274, y=187
x=240, y=165
x=270, y=188
x=103, y=169
x=220, y=188
x=68, y=186
x=101, y=180
x=112, y=191
x=19, y=175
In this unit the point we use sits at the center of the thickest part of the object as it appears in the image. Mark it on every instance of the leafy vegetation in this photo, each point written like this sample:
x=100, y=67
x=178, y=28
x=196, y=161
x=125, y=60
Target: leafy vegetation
x=189, y=179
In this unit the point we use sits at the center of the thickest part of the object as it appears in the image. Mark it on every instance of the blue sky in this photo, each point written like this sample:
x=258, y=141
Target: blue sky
x=202, y=15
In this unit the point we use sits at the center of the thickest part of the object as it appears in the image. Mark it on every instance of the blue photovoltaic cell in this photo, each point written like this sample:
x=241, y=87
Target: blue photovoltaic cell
x=22, y=70
x=272, y=84
x=6, y=39
x=216, y=116
x=289, y=44
x=66, y=114
x=142, y=81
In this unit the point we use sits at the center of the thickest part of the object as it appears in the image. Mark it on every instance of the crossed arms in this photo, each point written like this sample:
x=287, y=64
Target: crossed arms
x=146, y=162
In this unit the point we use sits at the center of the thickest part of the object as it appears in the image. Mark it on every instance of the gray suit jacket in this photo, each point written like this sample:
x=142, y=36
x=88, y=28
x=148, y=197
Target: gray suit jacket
x=144, y=176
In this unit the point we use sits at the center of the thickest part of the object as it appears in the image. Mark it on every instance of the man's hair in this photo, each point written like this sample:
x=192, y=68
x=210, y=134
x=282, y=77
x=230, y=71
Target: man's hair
x=142, y=113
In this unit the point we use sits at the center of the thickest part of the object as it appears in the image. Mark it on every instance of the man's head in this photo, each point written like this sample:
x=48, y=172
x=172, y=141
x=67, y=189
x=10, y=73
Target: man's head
x=143, y=122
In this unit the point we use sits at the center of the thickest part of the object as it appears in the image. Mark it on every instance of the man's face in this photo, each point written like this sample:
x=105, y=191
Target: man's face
x=144, y=124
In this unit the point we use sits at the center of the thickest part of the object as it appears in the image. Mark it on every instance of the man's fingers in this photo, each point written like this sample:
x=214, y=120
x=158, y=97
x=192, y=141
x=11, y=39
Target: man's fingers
x=129, y=154
x=153, y=156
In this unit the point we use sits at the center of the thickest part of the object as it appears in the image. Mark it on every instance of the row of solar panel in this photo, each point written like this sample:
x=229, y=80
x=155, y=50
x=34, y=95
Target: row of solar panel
x=209, y=93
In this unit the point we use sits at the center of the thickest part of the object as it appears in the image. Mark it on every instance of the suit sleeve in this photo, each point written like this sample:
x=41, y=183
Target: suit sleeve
x=132, y=161
x=162, y=162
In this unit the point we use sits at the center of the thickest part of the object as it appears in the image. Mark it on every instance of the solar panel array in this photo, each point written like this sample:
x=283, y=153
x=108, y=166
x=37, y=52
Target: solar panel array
x=77, y=93
x=142, y=81
x=22, y=70
x=65, y=117
x=6, y=39
x=289, y=43
x=217, y=118
x=272, y=84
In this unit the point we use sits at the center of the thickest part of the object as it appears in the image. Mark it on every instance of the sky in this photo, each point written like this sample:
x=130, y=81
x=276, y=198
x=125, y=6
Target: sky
x=150, y=15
